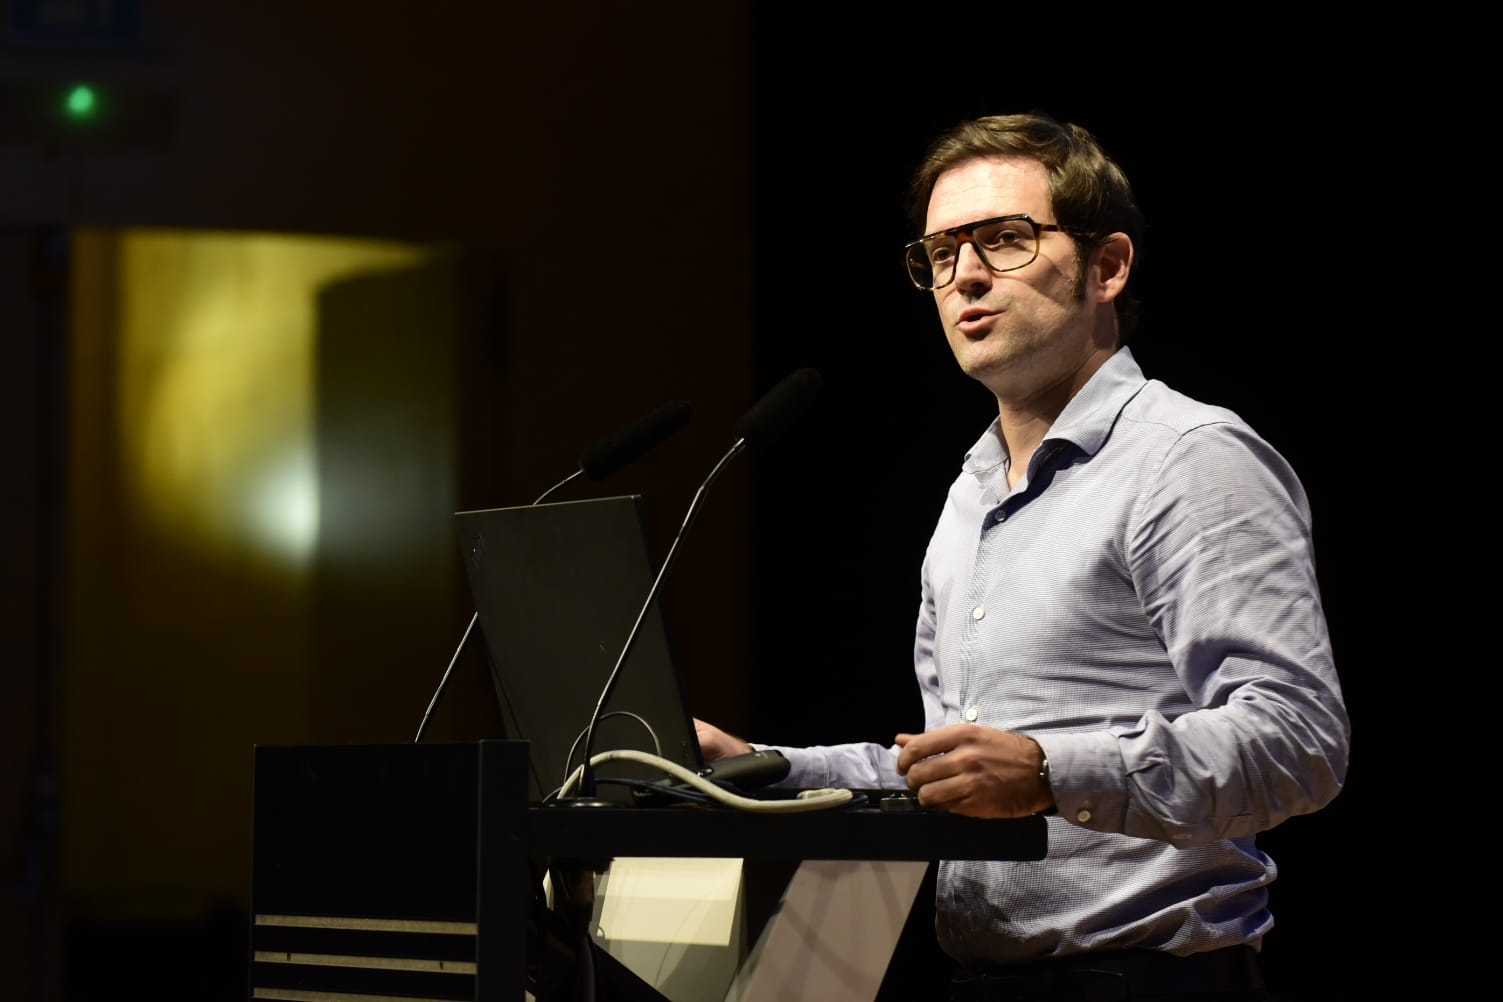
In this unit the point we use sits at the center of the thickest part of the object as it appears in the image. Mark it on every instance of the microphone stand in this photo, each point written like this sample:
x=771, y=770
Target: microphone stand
x=443, y=683
x=586, y=796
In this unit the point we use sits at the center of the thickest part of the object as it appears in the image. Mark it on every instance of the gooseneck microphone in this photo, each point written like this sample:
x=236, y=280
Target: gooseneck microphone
x=629, y=444
x=767, y=419
x=604, y=458
x=776, y=412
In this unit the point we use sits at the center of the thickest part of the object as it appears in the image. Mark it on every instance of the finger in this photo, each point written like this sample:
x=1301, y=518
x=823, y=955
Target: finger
x=960, y=794
x=932, y=769
x=921, y=746
x=942, y=793
x=902, y=741
x=920, y=769
x=911, y=755
x=975, y=794
x=714, y=744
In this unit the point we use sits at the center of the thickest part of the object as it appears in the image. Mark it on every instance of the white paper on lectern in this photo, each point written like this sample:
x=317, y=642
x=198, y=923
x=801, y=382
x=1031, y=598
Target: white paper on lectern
x=670, y=900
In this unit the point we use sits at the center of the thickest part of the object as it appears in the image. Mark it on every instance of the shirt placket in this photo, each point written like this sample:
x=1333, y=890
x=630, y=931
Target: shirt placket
x=973, y=624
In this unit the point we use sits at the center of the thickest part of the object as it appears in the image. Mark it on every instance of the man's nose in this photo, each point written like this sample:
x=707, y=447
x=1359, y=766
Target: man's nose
x=970, y=270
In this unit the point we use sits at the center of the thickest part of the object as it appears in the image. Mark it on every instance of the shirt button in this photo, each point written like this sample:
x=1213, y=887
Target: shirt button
x=1082, y=815
x=1000, y=517
x=978, y=613
x=971, y=713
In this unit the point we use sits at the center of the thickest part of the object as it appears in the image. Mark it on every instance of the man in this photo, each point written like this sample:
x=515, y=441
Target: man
x=1120, y=623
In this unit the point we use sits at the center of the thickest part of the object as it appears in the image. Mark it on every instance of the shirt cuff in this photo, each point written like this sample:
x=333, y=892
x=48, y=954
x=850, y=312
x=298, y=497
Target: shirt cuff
x=1087, y=778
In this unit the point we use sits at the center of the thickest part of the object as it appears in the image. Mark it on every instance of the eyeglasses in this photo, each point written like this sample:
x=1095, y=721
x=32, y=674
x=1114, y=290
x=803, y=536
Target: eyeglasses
x=1003, y=243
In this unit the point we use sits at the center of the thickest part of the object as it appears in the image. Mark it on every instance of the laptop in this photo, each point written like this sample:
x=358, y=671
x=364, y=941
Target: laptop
x=557, y=588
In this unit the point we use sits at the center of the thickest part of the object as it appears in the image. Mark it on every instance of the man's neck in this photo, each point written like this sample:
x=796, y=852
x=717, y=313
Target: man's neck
x=1023, y=422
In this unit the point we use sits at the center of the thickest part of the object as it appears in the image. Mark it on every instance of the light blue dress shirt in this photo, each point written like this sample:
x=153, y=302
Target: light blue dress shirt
x=1144, y=604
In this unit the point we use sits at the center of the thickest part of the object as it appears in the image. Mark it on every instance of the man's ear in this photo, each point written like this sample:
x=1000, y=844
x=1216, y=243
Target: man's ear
x=1113, y=260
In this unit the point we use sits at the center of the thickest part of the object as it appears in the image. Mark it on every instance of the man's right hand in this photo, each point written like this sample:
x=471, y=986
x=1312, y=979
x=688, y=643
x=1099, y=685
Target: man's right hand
x=716, y=744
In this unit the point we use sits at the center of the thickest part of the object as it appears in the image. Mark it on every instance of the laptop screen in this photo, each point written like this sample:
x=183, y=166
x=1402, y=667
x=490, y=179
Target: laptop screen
x=557, y=588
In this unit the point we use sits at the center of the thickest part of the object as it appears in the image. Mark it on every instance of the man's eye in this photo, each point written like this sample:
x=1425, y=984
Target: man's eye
x=941, y=253
x=1003, y=237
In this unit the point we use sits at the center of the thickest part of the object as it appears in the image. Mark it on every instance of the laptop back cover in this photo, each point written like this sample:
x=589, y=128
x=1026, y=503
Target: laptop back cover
x=557, y=588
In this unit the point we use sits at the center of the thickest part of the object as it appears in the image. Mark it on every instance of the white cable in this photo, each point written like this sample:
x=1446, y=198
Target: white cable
x=807, y=800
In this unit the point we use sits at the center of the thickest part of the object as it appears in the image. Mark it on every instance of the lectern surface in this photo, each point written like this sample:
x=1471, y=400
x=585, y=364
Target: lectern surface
x=863, y=833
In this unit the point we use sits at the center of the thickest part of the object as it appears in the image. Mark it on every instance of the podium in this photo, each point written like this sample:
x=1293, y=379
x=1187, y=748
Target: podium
x=408, y=870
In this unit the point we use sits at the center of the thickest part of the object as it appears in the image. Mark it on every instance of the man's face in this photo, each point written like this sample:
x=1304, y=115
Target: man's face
x=1020, y=331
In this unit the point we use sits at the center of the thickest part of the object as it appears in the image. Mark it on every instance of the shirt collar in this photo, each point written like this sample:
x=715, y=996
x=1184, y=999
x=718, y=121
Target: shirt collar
x=1086, y=420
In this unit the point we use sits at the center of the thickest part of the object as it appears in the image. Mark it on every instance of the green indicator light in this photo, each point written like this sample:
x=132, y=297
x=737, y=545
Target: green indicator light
x=81, y=102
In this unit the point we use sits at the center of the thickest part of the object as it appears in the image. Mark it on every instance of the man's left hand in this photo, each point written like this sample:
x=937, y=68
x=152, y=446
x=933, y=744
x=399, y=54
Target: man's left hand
x=975, y=770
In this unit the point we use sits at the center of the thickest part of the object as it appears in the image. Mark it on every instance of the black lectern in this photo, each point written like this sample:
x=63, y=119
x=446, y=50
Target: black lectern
x=405, y=870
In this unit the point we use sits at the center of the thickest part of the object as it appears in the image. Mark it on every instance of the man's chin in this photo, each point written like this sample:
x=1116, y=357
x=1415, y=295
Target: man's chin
x=981, y=366
x=996, y=373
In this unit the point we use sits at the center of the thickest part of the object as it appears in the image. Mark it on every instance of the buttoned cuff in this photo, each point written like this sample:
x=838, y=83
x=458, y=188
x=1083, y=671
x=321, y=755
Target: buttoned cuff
x=1087, y=778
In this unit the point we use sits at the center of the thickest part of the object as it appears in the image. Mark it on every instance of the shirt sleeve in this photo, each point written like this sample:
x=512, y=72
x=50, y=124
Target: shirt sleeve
x=1220, y=553
x=857, y=766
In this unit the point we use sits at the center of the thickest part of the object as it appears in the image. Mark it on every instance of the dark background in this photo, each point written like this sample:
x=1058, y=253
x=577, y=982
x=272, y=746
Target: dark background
x=766, y=149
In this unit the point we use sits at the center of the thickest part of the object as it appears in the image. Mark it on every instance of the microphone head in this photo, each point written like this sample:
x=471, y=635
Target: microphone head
x=635, y=440
x=779, y=408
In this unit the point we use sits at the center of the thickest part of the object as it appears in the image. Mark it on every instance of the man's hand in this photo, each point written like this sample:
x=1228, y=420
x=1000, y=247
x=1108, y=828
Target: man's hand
x=716, y=744
x=980, y=771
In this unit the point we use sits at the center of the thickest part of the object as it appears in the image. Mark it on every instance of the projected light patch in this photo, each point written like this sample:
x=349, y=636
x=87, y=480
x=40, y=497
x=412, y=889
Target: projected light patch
x=283, y=511
x=216, y=381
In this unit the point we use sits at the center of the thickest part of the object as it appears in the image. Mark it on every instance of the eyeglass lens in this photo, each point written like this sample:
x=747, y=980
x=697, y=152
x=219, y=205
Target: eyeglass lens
x=1002, y=246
